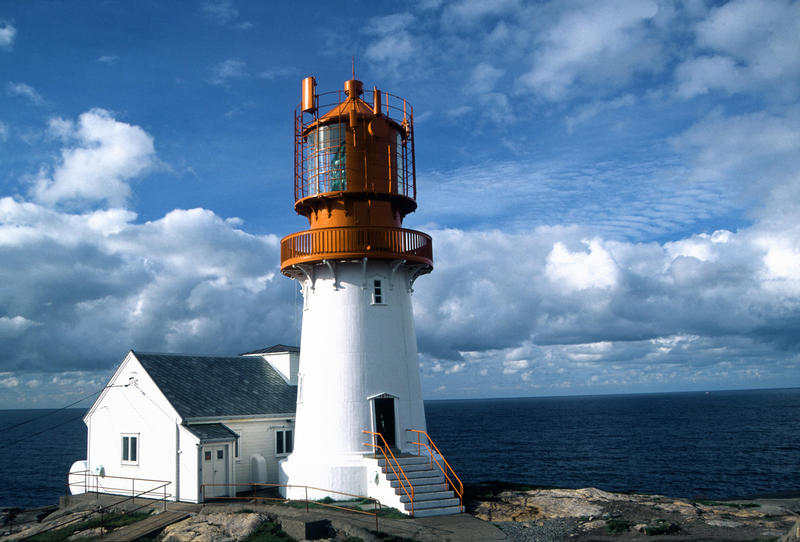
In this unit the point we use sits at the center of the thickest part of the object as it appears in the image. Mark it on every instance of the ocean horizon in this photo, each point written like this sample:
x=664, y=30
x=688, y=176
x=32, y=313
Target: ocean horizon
x=715, y=444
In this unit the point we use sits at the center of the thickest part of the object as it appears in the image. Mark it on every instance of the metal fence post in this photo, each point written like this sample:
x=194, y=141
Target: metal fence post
x=306, y=498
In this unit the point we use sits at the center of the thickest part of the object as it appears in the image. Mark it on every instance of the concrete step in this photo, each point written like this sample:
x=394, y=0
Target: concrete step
x=407, y=460
x=421, y=497
x=443, y=511
x=408, y=468
x=419, y=480
x=411, y=475
x=433, y=503
x=419, y=489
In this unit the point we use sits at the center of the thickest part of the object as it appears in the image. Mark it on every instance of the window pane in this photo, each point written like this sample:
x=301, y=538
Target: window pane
x=125, y=448
x=327, y=154
x=279, y=442
x=236, y=448
x=220, y=454
x=133, y=448
x=289, y=443
x=208, y=456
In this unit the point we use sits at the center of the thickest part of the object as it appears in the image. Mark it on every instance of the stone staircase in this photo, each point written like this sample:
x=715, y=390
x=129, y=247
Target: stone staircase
x=432, y=497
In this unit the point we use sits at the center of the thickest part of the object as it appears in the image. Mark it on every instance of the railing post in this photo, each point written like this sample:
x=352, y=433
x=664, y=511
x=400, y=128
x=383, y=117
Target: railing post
x=133, y=490
x=165, y=497
x=306, y=487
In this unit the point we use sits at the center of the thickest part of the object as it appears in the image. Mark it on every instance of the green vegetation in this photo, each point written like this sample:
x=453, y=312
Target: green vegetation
x=615, y=526
x=391, y=513
x=661, y=526
x=269, y=532
x=109, y=521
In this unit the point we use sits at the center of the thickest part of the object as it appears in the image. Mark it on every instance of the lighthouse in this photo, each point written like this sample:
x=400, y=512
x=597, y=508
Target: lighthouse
x=360, y=415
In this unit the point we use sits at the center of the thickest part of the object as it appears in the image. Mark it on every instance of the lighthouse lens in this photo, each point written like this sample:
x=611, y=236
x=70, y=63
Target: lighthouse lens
x=327, y=155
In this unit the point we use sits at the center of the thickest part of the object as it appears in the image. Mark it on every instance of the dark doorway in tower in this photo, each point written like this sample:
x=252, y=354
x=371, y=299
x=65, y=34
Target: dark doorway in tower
x=384, y=419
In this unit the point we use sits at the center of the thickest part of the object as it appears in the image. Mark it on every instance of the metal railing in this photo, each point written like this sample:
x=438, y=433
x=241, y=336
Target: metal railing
x=89, y=488
x=446, y=470
x=312, y=166
x=251, y=494
x=407, y=488
x=101, y=484
x=354, y=242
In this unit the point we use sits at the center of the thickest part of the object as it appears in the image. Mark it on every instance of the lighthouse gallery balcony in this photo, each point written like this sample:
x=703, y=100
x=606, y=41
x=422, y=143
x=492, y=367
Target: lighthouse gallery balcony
x=355, y=242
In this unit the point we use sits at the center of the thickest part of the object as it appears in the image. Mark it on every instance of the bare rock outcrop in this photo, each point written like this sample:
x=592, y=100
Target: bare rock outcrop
x=593, y=514
x=214, y=527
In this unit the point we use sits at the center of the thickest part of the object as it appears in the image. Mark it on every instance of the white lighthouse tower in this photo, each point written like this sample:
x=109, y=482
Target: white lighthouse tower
x=360, y=413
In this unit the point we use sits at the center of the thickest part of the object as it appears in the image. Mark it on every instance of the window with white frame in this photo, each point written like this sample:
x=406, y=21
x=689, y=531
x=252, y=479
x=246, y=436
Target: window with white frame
x=130, y=449
x=377, y=292
x=284, y=442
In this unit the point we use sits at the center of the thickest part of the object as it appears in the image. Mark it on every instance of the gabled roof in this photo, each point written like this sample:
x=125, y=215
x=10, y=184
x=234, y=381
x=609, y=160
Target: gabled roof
x=272, y=350
x=209, y=387
x=211, y=432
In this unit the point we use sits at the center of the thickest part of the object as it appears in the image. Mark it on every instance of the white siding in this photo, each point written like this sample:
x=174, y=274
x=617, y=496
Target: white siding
x=134, y=406
x=257, y=437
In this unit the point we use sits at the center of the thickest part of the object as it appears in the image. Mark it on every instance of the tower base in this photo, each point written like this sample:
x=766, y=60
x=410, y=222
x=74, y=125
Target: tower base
x=339, y=477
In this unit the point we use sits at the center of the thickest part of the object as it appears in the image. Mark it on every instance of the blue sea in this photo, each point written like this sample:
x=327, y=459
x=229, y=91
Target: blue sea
x=713, y=445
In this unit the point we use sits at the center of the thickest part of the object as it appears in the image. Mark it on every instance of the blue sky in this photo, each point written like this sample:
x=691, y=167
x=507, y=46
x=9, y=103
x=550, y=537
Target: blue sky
x=612, y=187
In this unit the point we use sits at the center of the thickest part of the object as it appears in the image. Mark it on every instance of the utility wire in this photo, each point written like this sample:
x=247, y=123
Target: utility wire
x=8, y=444
x=8, y=427
x=81, y=415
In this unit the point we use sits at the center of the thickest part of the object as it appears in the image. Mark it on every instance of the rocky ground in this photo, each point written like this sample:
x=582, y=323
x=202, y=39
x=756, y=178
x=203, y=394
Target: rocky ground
x=502, y=512
x=592, y=514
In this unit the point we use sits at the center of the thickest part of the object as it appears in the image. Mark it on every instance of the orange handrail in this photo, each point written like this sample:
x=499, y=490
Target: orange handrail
x=459, y=490
x=385, y=448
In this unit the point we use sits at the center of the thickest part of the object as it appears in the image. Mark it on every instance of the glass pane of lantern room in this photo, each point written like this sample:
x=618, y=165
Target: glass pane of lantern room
x=327, y=150
x=399, y=166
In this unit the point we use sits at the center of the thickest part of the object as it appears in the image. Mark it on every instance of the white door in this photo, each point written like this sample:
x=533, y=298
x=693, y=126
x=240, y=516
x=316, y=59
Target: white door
x=215, y=469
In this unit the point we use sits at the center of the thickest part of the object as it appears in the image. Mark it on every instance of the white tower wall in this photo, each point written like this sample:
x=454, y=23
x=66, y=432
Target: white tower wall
x=353, y=349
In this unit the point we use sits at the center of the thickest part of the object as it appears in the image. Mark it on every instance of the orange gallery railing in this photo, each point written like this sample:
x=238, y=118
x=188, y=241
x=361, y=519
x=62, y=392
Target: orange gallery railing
x=355, y=242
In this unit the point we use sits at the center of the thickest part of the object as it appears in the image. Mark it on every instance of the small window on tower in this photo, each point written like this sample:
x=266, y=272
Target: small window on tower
x=377, y=292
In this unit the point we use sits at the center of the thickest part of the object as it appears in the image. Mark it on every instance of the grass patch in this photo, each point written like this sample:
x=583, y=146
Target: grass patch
x=615, y=526
x=269, y=532
x=391, y=513
x=661, y=526
x=110, y=521
x=737, y=505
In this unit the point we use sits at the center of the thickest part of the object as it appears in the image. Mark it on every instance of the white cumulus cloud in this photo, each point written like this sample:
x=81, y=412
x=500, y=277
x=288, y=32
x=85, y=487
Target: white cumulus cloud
x=7, y=34
x=600, y=42
x=752, y=46
x=103, y=154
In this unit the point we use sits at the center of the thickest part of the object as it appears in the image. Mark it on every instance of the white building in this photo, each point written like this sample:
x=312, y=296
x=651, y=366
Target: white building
x=192, y=421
